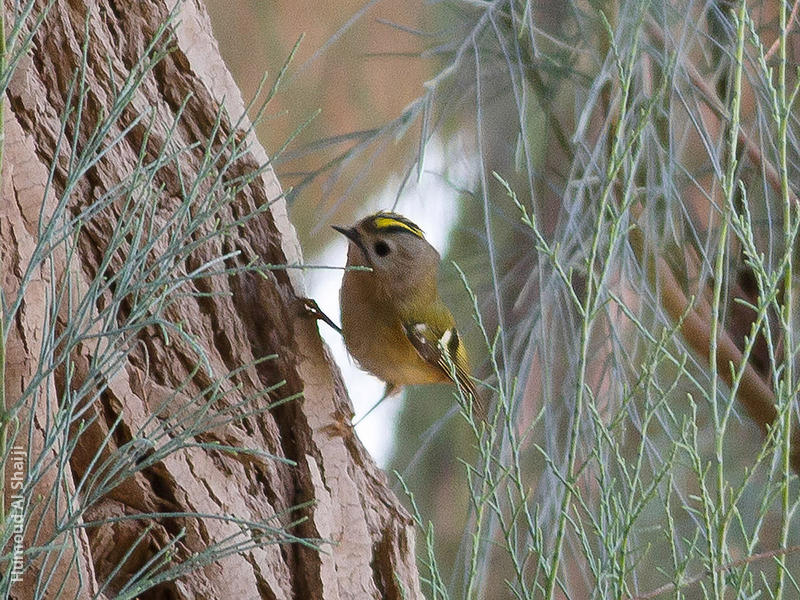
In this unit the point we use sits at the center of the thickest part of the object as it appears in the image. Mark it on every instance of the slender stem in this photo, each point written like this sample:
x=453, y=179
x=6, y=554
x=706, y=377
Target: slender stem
x=777, y=42
x=718, y=546
x=594, y=283
x=785, y=396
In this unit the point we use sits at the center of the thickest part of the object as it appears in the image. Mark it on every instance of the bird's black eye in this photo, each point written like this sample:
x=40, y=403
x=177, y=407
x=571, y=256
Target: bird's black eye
x=381, y=248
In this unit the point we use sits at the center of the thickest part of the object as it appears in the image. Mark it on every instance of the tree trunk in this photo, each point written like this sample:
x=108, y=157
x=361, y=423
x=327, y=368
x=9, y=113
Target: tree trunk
x=140, y=415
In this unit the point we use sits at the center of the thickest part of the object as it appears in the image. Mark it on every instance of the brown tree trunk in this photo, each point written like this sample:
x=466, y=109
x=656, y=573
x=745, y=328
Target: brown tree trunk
x=221, y=324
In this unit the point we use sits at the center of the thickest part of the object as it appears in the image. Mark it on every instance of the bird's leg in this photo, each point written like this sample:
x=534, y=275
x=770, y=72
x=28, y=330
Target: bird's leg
x=312, y=309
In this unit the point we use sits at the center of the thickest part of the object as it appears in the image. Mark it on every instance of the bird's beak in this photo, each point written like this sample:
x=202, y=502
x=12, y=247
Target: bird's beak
x=351, y=234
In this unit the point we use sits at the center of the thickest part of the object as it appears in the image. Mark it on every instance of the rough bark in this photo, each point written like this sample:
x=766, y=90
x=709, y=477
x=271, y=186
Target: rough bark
x=369, y=551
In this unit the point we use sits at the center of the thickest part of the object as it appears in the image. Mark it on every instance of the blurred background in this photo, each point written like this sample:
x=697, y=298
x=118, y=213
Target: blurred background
x=600, y=116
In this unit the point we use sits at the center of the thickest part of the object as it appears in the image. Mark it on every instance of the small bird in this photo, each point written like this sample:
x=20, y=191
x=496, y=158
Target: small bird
x=393, y=321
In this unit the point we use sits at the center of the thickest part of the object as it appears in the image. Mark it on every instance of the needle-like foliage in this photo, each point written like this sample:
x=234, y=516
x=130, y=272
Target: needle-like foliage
x=629, y=241
x=72, y=454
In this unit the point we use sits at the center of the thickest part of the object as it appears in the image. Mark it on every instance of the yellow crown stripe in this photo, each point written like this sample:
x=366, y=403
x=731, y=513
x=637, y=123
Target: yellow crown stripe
x=386, y=222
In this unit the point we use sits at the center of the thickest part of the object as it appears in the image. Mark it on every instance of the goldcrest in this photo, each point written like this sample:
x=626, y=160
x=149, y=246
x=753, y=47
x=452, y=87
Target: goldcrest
x=393, y=321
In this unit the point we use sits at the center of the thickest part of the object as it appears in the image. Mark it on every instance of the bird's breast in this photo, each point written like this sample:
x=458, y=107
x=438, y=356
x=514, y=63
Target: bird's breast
x=374, y=335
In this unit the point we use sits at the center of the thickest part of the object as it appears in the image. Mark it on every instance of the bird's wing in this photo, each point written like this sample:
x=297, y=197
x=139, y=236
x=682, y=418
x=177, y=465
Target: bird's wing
x=445, y=350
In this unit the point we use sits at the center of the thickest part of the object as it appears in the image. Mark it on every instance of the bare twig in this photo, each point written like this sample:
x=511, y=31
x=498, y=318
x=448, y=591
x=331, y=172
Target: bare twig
x=754, y=394
x=668, y=587
x=709, y=96
x=777, y=42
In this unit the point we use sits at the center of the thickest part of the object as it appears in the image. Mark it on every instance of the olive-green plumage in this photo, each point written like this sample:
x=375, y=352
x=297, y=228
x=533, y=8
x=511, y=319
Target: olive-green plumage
x=393, y=321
